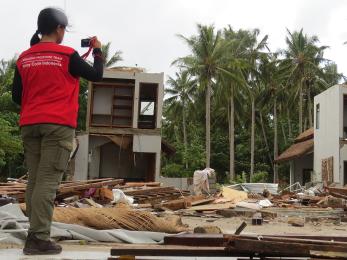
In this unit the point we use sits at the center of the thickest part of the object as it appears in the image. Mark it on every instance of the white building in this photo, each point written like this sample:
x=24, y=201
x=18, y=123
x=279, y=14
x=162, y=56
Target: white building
x=320, y=153
x=123, y=138
x=330, y=133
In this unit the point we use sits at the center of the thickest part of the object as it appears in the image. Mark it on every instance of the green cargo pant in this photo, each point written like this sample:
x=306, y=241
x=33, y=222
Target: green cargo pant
x=47, y=149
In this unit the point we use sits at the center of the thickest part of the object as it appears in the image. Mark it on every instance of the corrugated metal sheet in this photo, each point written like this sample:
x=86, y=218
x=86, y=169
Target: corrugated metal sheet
x=256, y=187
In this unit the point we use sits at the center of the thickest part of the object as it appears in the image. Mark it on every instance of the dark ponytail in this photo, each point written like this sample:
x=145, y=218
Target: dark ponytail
x=35, y=39
x=47, y=22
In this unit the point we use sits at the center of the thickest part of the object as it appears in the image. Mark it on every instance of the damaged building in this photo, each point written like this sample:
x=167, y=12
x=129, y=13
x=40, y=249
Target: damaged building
x=123, y=131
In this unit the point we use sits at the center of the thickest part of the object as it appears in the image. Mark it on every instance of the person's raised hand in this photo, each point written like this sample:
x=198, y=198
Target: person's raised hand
x=95, y=43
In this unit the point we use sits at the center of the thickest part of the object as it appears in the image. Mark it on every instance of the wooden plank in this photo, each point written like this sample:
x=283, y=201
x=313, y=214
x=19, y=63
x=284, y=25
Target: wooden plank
x=130, y=131
x=140, y=184
x=113, y=84
x=202, y=202
x=285, y=249
x=79, y=187
x=167, y=250
x=191, y=239
x=214, y=240
x=208, y=207
x=149, y=190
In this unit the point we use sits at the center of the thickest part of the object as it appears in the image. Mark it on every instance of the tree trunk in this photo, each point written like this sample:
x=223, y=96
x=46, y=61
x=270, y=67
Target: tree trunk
x=252, y=140
x=300, y=108
x=275, y=142
x=284, y=134
x=232, y=140
x=208, y=123
x=185, y=135
x=289, y=124
x=265, y=140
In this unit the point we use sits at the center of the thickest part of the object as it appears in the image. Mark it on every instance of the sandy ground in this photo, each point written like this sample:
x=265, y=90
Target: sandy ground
x=277, y=226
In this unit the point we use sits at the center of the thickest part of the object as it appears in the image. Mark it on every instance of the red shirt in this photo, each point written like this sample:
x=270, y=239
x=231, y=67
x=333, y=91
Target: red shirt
x=50, y=92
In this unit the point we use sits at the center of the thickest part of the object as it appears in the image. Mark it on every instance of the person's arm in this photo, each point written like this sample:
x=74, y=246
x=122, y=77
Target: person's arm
x=17, y=88
x=80, y=68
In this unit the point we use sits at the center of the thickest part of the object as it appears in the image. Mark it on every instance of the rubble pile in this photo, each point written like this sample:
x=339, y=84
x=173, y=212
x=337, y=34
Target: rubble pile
x=113, y=203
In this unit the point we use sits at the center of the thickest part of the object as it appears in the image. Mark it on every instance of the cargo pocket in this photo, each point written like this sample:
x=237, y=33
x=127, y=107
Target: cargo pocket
x=63, y=155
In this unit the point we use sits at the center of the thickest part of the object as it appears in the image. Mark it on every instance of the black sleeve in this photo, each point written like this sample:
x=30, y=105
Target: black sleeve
x=80, y=68
x=17, y=88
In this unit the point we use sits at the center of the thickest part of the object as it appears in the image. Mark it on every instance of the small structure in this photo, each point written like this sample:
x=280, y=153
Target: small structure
x=123, y=138
x=300, y=157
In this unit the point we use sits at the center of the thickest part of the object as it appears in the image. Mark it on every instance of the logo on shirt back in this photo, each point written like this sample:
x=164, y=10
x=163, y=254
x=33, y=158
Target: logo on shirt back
x=42, y=60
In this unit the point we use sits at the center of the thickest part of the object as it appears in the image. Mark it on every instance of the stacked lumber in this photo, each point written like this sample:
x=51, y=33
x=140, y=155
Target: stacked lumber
x=146, y=194
x=212, y=245
x=17, y=189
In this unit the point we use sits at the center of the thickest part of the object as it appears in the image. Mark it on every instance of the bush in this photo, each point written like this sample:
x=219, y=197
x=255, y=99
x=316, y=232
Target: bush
x=260, y=177
x=175, y=170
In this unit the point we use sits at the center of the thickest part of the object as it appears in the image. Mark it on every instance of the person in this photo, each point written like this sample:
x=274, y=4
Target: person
x=46, y=86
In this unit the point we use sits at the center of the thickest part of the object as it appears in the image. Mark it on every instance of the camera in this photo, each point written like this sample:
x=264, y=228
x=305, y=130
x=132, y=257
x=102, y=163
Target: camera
x=85, y=43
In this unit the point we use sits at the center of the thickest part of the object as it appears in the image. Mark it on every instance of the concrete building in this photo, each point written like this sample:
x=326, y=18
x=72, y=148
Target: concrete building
x=123, y=138
x=330, y=135
x=320, y=153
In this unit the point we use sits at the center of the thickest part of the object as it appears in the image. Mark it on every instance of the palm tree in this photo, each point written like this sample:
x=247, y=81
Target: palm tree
x=109, y=60
x=255, y=53
x=305, y=57
x=273, y=74
x=204, y=62
x=180, y=91
x=231, y=83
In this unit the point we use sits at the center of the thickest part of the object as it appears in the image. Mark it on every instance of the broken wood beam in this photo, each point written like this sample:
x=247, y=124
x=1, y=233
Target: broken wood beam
x=174, y=204
x=167, y=250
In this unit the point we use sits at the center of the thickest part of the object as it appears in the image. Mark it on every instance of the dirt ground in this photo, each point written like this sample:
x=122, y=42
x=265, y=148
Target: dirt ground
x=273, y=227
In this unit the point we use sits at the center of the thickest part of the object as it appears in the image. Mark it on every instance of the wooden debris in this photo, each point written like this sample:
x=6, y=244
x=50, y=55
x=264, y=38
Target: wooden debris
x=234, y=195
x=66, y=189
x=174, y=204
x=212, y=207
x=202, y=202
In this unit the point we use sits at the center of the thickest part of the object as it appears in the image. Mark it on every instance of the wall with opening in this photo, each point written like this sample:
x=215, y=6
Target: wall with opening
x=148, y=103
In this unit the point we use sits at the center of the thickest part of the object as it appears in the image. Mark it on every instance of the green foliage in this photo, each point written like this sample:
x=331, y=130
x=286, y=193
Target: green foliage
x=240, y=68
x=10, y=144
x=260, y=177
x=110, y=59
x=83, y=102
x=242, y=178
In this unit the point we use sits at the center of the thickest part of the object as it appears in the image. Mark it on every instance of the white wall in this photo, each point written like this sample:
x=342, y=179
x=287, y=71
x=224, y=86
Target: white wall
x=180, y=183
x=326, y=138
x=147, y=143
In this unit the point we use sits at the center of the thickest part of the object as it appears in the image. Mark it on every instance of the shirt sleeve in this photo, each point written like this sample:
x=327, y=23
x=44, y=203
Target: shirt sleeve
x=80, y=68
x=17, y=88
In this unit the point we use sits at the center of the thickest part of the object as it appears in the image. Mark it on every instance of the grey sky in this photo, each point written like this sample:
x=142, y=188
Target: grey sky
x=145, y=30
